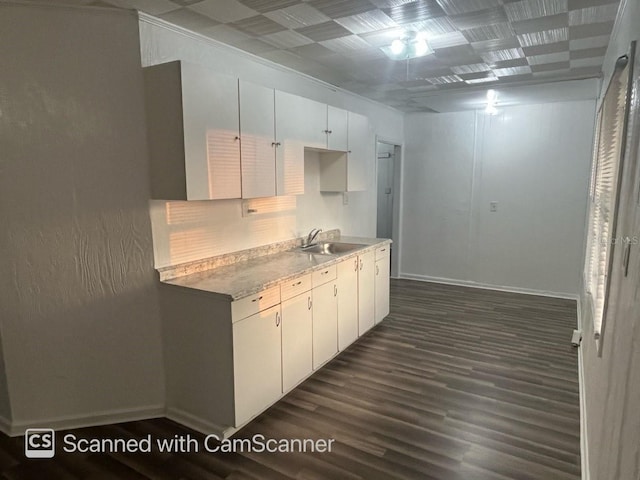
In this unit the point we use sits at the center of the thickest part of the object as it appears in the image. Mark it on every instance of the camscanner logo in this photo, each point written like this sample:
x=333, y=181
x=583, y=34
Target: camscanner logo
x=39, y=443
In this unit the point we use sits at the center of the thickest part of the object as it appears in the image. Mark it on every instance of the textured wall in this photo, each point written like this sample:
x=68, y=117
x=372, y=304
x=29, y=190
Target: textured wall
x=212, y=228
x=80, y=322
x=612, y=380
x=531, y=159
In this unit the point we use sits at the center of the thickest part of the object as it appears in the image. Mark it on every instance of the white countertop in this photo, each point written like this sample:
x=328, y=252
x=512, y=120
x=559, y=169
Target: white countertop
x=251, y=276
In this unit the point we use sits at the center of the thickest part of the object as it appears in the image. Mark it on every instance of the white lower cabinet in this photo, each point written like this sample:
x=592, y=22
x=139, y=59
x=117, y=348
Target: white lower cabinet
x=325, y=323
x=257, y=363
x=297, y=331
x=347, y=281
x=366, y=292
x=382, y=283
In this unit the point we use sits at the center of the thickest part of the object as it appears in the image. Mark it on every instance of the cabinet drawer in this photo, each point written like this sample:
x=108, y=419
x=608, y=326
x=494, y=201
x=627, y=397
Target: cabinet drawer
x=383, y=252
x=295, y=287
x=323, y=276
x=255, y=303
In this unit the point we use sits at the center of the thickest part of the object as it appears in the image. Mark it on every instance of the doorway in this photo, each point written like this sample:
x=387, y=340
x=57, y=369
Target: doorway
x=388, y=188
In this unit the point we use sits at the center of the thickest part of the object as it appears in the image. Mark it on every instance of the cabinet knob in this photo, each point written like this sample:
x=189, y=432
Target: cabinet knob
x=329, y=132
x=361, y=264
x=236, y=138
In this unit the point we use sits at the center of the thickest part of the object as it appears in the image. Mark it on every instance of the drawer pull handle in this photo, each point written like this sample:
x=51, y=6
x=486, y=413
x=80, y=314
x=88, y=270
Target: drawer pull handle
x=377, y=270
x=355, y=265
x=335, y=290
x=309, y=303
x=325, y=272
x=297, y=283
x=383, y=250
x=361, y=264
x=277, y=319
x=257, y=299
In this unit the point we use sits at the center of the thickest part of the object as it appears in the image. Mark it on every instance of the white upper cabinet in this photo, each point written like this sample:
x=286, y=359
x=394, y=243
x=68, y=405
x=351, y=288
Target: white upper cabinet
x=192, y=123
x=337, y=125
x=257, y=140
x=342, y=172
x=292, y=128
x=312, y=116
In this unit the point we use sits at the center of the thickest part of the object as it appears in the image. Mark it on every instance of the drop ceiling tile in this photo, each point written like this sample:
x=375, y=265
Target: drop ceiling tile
x=428, y=87
x=345, y=44
x=452, y=39
x=542, y=38
x=524, y=77
x=474, y=81
x=456, y=7
x=578, y=4
x=542, y=23
x=516, y=62
x=545, y=67
x=286, y=39
x=474, y=68
x=489, y=32
x=549, y=58
x=502, y=55
x=257, y=26
x=528, y=9
x=415, y=11
x=189, y=19
x=389, y=3
x=444, y=80
x=588, y=53
x=602, y=13
x=431, y=27
x=587, y=71
x=587, y=62
x=496, y=44
x=289, y=59
x=342, y=8
x=590, y=30
x=314, y=51
x=479, y=19
x=186, y=3
x=589, y=42
x=546, y=48
x=263, y=6
x=297, y=16
x=226, y=34
x=477, y=75
x=223, y=11
x=460, y=55
x=508, y=72
x=324, y=31
x=373, y=20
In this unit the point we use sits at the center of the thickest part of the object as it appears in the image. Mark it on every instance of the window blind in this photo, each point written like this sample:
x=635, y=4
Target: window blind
x=605, y=179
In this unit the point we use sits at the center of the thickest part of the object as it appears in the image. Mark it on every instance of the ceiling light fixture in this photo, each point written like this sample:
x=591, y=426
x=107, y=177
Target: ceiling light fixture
x=409, y=45
x=492, y=100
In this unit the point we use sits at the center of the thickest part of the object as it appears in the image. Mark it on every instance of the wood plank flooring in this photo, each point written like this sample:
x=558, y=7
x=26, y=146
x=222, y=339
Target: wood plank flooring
x=457, y=383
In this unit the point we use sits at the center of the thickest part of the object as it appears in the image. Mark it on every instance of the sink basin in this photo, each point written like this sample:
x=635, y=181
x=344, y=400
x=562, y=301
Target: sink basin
x=332, y=248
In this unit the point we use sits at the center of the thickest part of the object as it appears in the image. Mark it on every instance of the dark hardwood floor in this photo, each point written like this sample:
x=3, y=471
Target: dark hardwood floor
x=457, y=383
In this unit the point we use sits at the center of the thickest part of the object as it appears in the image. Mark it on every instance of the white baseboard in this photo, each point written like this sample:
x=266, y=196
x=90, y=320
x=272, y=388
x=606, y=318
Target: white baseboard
x=488, y=286
x=14, y=429
x=584, y=438
x=200, y=425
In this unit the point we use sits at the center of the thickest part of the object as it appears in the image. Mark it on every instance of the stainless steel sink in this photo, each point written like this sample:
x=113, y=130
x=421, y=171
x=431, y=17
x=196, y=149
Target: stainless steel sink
x=332, y=248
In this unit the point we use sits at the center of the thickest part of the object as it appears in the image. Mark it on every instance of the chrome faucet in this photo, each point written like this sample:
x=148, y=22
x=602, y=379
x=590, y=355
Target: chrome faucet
x=313, y=234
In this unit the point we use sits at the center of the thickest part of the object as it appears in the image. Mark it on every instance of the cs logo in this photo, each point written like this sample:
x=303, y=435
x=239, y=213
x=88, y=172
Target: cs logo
x=39, y=443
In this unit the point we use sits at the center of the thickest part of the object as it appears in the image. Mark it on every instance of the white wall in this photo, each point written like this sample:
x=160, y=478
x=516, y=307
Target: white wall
x=612, y=380
x=79, y=319
x=531, y=159
x=216, y=227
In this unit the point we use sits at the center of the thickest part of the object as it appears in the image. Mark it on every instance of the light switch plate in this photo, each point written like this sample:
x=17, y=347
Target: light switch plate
x=493, y=206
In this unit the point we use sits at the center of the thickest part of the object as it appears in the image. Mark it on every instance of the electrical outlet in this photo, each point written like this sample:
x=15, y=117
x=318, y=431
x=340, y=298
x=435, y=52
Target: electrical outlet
x=493, y=206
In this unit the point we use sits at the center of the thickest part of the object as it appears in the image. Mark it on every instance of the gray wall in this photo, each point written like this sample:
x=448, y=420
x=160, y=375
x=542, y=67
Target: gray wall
x=533, y=160
x=612, y=381
x=80, y=322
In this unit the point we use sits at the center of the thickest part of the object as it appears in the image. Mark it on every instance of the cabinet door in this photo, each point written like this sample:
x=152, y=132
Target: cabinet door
x=325, y=323
x=366, y=295
x=291, y=122
x=314, y=123
x=382, y=289
x=297, y=344
x=257, y=141
x=193, y=132
x=360, y=160
x=337, y=126
x=257, y=363
x=347, y=303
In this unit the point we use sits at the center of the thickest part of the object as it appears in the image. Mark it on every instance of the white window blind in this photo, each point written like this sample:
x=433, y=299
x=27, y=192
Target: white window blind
x=605, y=180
